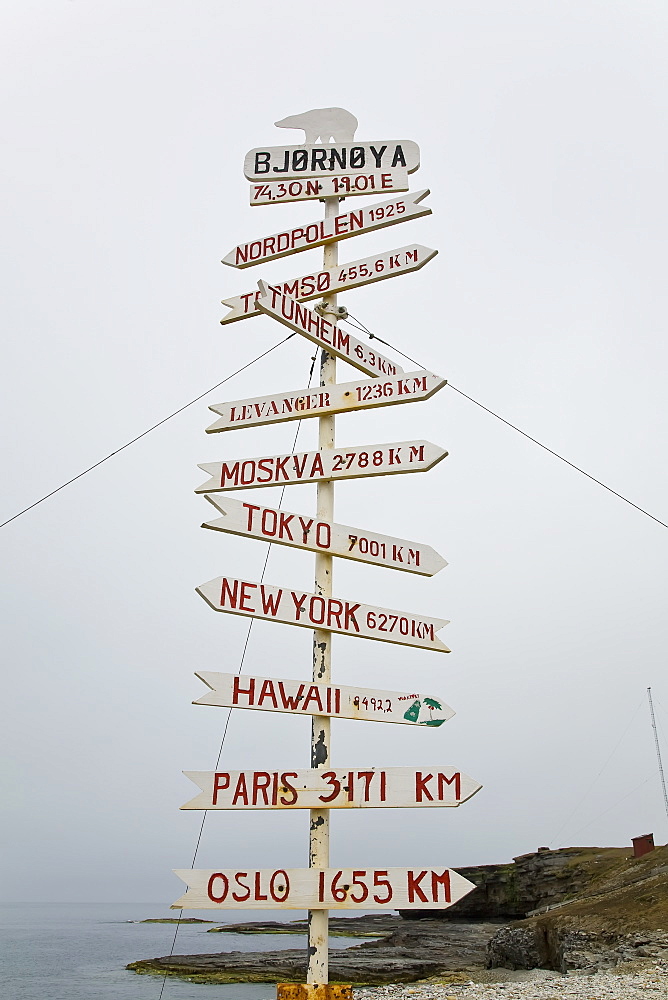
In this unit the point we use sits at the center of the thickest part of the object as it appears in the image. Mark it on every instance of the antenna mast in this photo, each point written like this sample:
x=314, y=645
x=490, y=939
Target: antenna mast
x=658, y=749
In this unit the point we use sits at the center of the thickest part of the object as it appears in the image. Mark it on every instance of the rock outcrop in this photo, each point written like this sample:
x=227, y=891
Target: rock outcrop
x=620, y=916
x=539, y=879
x=411, y=952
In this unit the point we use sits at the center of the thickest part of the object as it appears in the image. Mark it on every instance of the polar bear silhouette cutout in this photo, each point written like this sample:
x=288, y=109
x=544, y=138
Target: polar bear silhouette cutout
x=323, y=125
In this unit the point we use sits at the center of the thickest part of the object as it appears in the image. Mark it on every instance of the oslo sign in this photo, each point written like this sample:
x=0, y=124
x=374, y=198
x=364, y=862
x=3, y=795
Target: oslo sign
x=295, y=607
x=340, y=788
x=298, y=531
x=270, y=694
x=297, y=404
x=320, y=331
x=338, y=227
x=321, y=888
x=318, y=466
x=339, y=186
x=336, y=279
x=269, y=163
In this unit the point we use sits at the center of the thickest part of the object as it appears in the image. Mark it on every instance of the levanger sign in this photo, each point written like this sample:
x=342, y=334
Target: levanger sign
x=316, y=535
x=294, y=607
x=321, y=888
x=340, y=788
x=271, y=694
x=296, y=404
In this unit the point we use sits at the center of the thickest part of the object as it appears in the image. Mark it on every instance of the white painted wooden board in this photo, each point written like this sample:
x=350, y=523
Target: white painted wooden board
x=322, y=332
x=366, y=219
x=322, y=401
x=271, y=524
x=352, y=462
x=270, y=694
x=278, y=162
x=295, y=607
x=273, y=192
x=329, y=280
x=321, y=888
x=431, y=787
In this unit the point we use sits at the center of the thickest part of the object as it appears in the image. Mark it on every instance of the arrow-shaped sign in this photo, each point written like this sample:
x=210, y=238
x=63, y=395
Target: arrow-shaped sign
x=316, y=466
x=294, y=607
x=301, y=532
x=274, y=192
x=269, y=694
x=341, y=788
x=320, y=331
x=297, y=404
x=321, y=888
x=278, y=162
x=338, y=227
x=403, y=260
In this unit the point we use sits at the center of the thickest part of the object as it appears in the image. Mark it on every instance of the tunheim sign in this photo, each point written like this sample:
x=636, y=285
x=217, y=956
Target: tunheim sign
x=331, y=165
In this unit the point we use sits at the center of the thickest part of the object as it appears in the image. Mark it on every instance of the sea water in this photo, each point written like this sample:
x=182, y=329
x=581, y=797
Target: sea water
x=78, y=951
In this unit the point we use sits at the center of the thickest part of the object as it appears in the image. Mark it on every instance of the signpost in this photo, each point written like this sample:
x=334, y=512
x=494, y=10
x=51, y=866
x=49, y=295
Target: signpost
x=329, y=171
x=320, y=611
x=412, y=387
x=328, y=230
x=269, y=694
x=300, y=532
x=378, y=267
x=349, y=788
x=321, y=889
x=353, y=462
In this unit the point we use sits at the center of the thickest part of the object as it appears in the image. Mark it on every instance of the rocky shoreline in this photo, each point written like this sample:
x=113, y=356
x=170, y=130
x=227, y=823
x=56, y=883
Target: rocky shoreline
x=598, y=911
x=405, y=953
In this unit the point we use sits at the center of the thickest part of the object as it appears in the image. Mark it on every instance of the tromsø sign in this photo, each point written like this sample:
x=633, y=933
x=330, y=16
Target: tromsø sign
x=330, y=280
x=331, y=165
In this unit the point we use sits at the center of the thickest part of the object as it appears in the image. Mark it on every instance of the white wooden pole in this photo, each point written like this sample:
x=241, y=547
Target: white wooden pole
x=318, y=920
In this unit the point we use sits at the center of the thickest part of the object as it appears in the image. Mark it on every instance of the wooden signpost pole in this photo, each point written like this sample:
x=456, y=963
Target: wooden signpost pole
x=318, y=920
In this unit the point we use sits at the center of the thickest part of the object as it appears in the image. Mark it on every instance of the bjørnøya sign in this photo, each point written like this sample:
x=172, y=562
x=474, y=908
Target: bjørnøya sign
x=316, y=466
x=336, y=788
x=321, y=888
x=295, y=607
x=338, y=227
x=273, y=162
x=270, y=694
x=322, y=401
x=329, y=280
x=300, y=319
x=274, y=192
x=299, y=531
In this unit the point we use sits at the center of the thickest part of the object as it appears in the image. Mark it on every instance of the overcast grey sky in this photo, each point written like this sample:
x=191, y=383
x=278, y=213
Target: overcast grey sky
x=542, y=127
